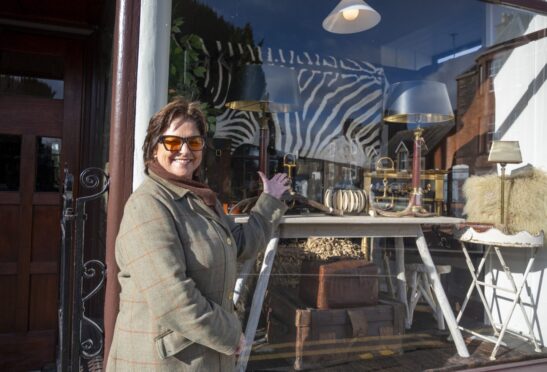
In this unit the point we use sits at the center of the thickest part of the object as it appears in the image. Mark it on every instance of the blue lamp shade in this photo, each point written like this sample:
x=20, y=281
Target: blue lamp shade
x=264, y=88
x=418, y=102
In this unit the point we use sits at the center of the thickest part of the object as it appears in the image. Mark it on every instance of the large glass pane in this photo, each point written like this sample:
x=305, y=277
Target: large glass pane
x=48, y=158
x=31, y=86
x=492, y=60
x=31, y=74
x=10, y=162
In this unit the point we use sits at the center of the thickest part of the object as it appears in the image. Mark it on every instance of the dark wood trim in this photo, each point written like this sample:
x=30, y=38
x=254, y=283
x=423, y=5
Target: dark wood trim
x=8, y=268
x=512, y=44
x=25, y=243
x=539, y=6
x=44, y=268
x=18, y=119
x=46, y=198
x=10, y=197
x=15, y=338
x=72, y=113
x=20, y=42
x=122, y=130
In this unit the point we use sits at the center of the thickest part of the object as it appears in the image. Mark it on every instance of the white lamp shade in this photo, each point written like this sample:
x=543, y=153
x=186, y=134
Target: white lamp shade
x=506, y=152
x=337, y=23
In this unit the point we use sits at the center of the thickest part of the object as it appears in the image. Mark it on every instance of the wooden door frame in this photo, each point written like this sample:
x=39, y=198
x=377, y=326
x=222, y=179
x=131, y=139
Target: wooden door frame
x=122, y=133
x=72, y=50
x=70, y=129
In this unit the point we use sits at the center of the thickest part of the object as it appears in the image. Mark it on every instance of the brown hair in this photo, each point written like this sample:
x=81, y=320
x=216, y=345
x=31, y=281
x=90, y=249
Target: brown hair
x=179, y=107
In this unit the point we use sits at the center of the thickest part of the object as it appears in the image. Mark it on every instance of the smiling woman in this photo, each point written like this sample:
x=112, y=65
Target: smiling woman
x=179, y=148
x=177, y=253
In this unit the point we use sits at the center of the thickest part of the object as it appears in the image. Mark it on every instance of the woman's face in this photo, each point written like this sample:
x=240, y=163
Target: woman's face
x=184, y=162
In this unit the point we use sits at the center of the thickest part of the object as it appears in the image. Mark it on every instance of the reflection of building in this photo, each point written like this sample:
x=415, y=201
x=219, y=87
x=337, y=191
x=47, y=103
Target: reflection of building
x=490, y=105
x=475, y=118
x=401, y=145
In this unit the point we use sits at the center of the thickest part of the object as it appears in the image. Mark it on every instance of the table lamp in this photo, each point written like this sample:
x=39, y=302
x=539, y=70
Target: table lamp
x=351, y=16
x=504, y=152
x=418, y=103
x=264, y=89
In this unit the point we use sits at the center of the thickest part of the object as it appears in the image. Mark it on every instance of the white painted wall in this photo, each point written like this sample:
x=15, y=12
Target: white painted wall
x=152, y=73
x=521, y=98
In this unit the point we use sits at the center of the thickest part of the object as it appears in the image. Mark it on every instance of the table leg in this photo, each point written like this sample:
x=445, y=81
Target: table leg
x=245, y=270
x=401, y=278
x=440, y=294
x=256, y=305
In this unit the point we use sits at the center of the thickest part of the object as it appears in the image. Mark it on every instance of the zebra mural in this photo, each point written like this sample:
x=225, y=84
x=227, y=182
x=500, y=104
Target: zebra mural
x=340, y=116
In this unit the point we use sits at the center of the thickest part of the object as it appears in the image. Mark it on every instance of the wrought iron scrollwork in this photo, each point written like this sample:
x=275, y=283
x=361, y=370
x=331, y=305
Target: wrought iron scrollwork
x=90, y=273
x=86, y=335
x=90, y=178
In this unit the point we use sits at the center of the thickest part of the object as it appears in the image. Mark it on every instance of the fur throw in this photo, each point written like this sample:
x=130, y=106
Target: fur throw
x=525, y=200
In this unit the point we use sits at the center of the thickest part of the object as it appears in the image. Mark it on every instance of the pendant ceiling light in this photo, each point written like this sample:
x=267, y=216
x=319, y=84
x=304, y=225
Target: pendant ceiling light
x=351, y=16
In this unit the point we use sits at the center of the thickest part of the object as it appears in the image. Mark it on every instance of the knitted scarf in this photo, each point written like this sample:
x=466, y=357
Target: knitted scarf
x=208, y=196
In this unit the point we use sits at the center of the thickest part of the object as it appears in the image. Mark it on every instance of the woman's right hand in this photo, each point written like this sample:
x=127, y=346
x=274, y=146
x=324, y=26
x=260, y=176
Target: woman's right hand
x=275, y=186
x=241, y=344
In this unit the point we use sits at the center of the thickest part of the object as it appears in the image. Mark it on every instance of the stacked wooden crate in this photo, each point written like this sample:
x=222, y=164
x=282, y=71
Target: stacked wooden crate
x=335, y=315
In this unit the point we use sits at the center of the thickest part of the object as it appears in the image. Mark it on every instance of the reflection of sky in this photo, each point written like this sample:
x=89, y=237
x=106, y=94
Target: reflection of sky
x=424, y=29
x=297, y=24
x=410, y=38
x=57, y=86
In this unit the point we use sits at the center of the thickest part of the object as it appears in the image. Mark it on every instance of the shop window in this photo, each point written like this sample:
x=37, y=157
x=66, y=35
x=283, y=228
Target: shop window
x=48, y=164
x=22, y=76
x=31, y=86
x=338, y=131
x=10, y=162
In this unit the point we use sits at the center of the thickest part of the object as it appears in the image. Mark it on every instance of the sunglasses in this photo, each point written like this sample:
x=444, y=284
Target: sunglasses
x=175, y=143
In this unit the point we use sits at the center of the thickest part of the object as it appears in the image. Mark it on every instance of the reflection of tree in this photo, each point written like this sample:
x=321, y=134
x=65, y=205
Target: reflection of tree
x=47, y=174
x=192, y=24
x=201, y=20
x=25, y=86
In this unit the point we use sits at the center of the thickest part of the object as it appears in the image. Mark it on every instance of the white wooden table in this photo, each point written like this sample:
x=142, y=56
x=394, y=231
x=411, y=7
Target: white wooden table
x=353, y=227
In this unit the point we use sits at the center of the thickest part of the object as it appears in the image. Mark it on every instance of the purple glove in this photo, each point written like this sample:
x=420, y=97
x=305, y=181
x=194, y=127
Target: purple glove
x=275, y=186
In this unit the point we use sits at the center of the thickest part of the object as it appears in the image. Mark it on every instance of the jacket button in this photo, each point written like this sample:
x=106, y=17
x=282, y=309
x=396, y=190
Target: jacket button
x=228, y=241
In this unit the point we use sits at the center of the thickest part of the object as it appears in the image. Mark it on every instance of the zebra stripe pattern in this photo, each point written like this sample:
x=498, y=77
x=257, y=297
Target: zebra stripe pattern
x=341, y=103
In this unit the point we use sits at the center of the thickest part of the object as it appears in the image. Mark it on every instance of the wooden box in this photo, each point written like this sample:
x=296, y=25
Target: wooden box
x=340, y=284
x=320, y=338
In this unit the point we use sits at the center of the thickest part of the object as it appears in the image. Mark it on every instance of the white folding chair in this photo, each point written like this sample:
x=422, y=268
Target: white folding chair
x=496, y=241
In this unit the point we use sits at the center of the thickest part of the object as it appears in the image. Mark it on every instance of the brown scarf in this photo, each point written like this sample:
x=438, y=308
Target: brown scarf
x=208, y=196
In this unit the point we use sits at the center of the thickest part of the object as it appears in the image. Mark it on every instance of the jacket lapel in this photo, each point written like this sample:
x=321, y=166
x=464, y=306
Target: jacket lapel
x=195, y=203
x=198, y=206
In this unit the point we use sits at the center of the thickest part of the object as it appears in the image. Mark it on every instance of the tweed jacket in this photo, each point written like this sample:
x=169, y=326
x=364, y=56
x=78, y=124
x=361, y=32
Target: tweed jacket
x=177, y=261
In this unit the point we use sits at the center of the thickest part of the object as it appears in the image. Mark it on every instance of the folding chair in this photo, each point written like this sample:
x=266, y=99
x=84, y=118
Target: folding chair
x=497, y=241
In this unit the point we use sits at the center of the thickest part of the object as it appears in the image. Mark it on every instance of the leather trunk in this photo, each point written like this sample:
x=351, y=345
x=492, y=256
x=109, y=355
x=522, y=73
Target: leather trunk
x=339, y=284
x=332, y=336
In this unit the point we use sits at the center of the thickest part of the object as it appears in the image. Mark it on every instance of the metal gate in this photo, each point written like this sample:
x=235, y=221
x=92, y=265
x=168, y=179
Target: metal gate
x=79, y=336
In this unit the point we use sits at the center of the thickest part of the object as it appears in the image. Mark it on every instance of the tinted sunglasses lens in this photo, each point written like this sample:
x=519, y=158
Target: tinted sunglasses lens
x=195, y=143
x=172, y=143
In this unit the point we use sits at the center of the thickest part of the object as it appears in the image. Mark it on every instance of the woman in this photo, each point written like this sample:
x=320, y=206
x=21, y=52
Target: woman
x=177, y=255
